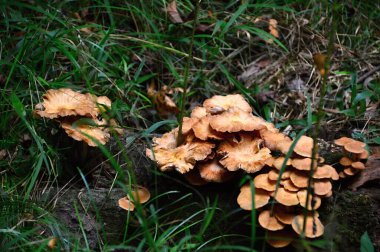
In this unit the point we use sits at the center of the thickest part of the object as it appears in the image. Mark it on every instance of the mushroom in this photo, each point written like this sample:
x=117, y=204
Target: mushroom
x=262, y=181
x=203, y=131
x=213, y=171
x=280, y=238
x=139, y=194
x=303, y=164
x=278, y=162
x=304, y=146
x=218, y=103
x=269, y=222
x=126, y=204
x=313, y=228
x=314, y=202
x=286, y=198
x=244, y=154
x=244, y=199
x=284, y=214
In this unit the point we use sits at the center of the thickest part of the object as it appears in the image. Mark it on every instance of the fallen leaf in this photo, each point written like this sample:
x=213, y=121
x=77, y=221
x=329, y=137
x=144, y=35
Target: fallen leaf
x=273, y=28
x=370, y=173
x=173, y=13
x=297, y=84
x=319, y=61
x=164, y=105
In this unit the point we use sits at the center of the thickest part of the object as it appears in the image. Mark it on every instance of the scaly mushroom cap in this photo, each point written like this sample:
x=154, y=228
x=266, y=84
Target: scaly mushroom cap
x=198, y=112
x=343, y=141
x=358, y=165
x=244, y=154
x=203, y=131
x=66, y=102
x=314, y=201
x=286, y=198
x=345, y=161
x=269, y=222
x=218, y=104
x=245, y=197
x=304, y=146
x=299, y=178
x=212, y=171
x=182, y=158
x=80, y=131
x=280, y=161
x=314, y=227
x=139, y=194
x=271, y=139
x=303, y=164
x=322, y=186
x=326, y=171
x=355, y=147
x=262, y=181
x=126, y=204
x=280, y=239
x=235, y=120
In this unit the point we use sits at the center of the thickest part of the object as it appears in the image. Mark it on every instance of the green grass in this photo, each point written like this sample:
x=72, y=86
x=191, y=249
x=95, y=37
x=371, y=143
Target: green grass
x=117, y=48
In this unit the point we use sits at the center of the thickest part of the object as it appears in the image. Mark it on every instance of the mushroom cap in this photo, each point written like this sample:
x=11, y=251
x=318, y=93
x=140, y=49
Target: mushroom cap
x=244, y=154
x=326, y=171
x=299, y=178
x=203, y=130
x=355, y=147
x=304, y=146
x=284, y=146
x=313, y=228
x=280, y=239
x=284, y=214
x=235, y=120
x=345, y=161
x=364, y=154
x=358, y=165
x=271, y=139
x=245, y=197
x=278, y=162
x=262, y=181
x=303, y=164
x=314, y=202
x=322, y=186
x=343, y=141
x=182, y=158
x=219, y=103
x=198, y=112
x=167, y=140
x=194, y=178
x=80, y=131
x=187, y=125
x=126, y=204
x=66, y=102
x=342, y=174
x=269, y=222
x=275, y=174
x=213, y=171
x=286, y=198
x=288, y=185
x=349, y=171
x=270, y=161
x=140, y=194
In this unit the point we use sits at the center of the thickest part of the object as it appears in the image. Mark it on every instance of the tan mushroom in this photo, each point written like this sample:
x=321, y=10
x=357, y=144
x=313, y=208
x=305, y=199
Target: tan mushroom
x=278, y=162
x=314, y=202
x=343, y=141
x=198, y=112
x=126, y=204
x=349, y=171
x=271, y=139
x=187, y=125
x=244, y=154
x=364, y=154
x=218, y=104
x=203, y=130
x=303, y=164
x=286, y=198
x=355, y=147
x=313, y=228
x=358, y=165
x=284, y=214
x=245, y=197
x=288, y=185
x=269, y=222
x=194, y=178
x=304, y=146
x=299, y=178
x=326, y=171
x=213, y=171
x=262, y=181
x=322, y=186
x=139, y=194
x=345, y=161
x=280, y=239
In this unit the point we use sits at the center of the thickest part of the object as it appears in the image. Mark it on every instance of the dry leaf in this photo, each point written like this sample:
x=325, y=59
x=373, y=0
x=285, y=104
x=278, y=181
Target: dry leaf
x=319, y=61
x=370, y=173
x=173, y=13
x=164, y=105
x=273, y=28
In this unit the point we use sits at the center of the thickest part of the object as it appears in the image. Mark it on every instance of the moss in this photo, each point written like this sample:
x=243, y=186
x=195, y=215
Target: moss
x=351, y=214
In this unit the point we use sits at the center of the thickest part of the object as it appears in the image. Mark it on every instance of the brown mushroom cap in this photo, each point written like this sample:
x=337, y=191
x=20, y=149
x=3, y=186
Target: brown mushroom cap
x=80, y=131
x=198, y=112
x=286, y=198
x=262, y=181
x=66, y=102
x=235, y=120
x=126, y=204
x=349, y=171
x=245, y=197
x=269, y=222
x=218, y=103
x=284, y=146
x=326, y=171
x=187, y=125
x=203, y=131
x=358, y=165
x=212, y=171
x=288, y=185
x=167, y=140
x=364, y=154
x=280, y=239
x=244, y=154
x=345, y=161
x=355, y=147
x=271, y=139
x=299, y=178
x=314, y=227
x=270, y=161
x=182, y=158
x=314, y=201
x=304, y=146
x=284, y=214
x=303, y=164
x=278, y=162
x=140, y=194
x=322, y=186
x=273, y=175
x=343, y=141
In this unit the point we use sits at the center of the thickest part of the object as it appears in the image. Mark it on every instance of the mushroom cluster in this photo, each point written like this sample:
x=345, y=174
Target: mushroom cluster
x=69, y=107
x=223, y=137
x=354, y=156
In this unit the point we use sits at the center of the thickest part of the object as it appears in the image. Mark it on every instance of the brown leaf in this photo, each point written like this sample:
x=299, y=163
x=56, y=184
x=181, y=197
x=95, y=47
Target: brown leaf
x=319, y=61
x=164, y=105
x=173, y=13
x=273, y=30
x=370, y=173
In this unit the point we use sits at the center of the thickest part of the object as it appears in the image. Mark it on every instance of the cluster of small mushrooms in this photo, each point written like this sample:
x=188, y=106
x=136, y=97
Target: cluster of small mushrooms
x=68, y=107
x=223, y=137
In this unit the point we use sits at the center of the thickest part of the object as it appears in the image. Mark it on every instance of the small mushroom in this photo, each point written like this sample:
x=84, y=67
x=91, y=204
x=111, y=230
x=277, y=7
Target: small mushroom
x=304, y=146
x=203, y=130
x=355, y=147
x=322, y=186
x=126, y=204
x=278, y=162
x=314, y=202
x=262, y=181
x=358, y=165
x=313, y=228
x=218, y=103
x=213, y=171
x=269, y=222
x=280, y=238
x=245, y=197
x=139, y=194
x=299, y=178
x=303, y=164
x=345, y=161
x=286, y=198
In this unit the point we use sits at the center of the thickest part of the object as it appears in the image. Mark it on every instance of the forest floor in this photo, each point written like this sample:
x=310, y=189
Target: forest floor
x=156, y=61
